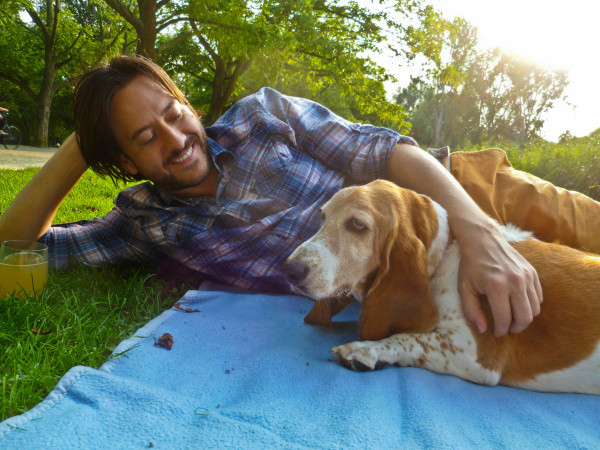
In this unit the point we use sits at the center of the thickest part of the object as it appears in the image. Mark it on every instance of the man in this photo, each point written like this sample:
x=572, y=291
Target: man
x=231, y=202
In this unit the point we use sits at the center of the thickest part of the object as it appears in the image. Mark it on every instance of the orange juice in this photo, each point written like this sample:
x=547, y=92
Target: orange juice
x=23, y=274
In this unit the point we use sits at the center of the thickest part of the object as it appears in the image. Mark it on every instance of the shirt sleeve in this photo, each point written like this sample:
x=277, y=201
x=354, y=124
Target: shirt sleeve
x=358, y=150
x=111, y=239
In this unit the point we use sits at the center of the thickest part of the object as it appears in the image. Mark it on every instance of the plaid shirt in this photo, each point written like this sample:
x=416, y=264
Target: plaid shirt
x=279, y=160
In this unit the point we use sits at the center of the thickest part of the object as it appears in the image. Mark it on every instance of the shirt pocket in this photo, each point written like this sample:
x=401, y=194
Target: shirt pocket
x=269, y=168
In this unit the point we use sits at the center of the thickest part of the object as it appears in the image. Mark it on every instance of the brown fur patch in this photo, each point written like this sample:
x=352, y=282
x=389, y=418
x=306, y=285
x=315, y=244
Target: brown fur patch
x=399, y=299
x=567, y=329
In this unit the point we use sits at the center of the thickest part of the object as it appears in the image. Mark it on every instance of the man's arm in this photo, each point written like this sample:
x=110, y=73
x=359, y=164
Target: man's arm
x=489, y=264
x=32, y=211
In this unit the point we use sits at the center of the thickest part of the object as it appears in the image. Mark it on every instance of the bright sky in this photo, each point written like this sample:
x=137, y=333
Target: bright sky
x=555, y=34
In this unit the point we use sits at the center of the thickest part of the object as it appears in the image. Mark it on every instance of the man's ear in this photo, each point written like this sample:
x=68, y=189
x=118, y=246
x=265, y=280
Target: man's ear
x=127, y=165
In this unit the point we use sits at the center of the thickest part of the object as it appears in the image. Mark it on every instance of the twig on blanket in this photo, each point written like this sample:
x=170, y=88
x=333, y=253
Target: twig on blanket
x=165, y=341
x=181, y=308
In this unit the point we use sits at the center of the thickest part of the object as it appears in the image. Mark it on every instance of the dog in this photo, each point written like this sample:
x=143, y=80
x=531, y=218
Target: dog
x=392, y=249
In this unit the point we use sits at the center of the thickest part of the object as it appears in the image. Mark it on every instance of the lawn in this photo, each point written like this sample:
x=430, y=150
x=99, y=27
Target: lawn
x=83, y=314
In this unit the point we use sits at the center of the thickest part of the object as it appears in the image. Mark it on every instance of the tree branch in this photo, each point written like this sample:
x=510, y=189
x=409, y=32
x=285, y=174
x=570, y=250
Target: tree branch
x=193, y=74
x=204, y=42
x=38, y=21
x=126, y=14
x=69, y=48
x=55, y=21
x=20, y=82
x=162, y=25
x=174, y=41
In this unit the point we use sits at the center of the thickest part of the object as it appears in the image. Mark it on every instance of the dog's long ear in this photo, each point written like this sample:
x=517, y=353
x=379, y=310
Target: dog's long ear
x=399, y=299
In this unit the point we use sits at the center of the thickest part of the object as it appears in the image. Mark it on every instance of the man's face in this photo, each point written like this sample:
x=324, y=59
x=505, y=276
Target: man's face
x=162, y=139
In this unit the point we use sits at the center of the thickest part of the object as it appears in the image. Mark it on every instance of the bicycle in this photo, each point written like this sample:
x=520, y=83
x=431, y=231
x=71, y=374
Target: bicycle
x=11, y=137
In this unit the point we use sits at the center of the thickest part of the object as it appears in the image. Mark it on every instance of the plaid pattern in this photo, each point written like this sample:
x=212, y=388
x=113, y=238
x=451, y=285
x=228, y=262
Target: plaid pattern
x=280, y=159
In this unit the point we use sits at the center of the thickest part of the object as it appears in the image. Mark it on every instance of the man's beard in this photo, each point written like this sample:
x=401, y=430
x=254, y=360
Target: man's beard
x=173, y=183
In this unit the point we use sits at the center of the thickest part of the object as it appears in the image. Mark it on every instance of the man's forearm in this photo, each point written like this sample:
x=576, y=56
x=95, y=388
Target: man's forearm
x=414, y=169
x=32, y=211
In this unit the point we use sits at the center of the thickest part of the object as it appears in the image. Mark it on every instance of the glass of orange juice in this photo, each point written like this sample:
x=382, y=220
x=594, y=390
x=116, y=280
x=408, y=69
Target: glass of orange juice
x=23, y=268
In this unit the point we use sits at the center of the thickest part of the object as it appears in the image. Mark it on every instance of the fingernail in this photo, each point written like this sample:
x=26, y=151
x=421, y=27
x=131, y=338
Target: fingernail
x=480, y=327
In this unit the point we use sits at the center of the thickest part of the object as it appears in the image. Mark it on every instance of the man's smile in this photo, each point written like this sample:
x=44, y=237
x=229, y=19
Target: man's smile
x=186, y=155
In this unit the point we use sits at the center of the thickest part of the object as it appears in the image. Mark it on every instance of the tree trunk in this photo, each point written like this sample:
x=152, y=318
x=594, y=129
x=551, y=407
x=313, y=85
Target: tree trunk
x=146, y=45
x=42, y=118
x=438, y=123
x=223, y=86
x=44, y=102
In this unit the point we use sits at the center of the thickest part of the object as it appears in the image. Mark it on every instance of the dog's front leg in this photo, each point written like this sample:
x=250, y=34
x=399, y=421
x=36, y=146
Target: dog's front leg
x=441, y=351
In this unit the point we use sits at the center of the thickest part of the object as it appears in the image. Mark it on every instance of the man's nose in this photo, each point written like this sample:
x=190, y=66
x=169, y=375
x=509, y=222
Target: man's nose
x=174, y=138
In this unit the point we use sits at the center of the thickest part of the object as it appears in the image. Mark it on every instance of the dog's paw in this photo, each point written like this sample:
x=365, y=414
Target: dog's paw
x=361, y=356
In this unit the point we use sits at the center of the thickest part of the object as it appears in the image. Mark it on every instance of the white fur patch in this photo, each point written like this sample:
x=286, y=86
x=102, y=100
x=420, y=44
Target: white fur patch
x=578, y=378
x=514, y=234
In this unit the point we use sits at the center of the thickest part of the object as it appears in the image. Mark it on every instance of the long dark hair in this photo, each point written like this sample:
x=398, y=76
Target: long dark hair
x=91, y=106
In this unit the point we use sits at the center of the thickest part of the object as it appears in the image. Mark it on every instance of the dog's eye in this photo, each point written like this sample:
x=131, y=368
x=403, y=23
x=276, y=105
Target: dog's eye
x=353, y=224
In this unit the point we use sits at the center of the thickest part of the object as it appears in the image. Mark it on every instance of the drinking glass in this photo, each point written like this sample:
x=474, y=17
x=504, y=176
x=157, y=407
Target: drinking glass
x=23, y=268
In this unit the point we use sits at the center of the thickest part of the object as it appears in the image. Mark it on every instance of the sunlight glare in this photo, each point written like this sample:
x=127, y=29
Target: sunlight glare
x=557, y=35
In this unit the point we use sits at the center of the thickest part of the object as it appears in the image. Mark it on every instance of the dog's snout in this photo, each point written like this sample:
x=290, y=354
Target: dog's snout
x=295, y=272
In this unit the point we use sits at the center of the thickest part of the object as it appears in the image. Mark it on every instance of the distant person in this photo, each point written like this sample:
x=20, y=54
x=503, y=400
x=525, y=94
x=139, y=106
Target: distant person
x=3, y=121
x=230, y=202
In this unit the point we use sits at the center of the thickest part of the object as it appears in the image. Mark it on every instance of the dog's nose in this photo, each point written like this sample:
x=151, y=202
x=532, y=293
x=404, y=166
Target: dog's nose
x=295, y=272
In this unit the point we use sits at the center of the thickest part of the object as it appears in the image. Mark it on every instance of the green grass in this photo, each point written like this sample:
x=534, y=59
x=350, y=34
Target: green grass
x=83, y=314
x=92, y=196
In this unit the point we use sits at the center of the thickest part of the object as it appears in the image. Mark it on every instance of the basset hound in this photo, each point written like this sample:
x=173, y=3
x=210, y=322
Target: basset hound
x=392, y=249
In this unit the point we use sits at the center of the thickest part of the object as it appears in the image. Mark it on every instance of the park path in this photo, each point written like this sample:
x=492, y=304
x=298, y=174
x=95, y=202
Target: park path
x=25, y=156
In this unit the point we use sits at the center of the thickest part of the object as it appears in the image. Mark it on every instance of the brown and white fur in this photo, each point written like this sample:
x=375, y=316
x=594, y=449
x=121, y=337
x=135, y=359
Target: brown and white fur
x=392, y=249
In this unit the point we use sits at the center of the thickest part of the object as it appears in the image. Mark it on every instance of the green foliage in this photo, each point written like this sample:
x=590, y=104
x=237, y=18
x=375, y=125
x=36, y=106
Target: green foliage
x=44, y=47
x=217, y=51
x=472, y=96
x=310, y=48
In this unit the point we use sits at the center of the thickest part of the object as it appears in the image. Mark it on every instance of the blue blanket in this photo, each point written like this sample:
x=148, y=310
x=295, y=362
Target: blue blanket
x=244, y=371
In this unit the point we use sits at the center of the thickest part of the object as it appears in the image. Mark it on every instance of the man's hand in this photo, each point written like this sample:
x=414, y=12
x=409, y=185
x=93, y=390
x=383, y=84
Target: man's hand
x=491, y=266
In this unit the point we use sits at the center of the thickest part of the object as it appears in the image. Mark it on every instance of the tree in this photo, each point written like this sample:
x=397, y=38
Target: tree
x=45, y=55
x=149, y=18
x=312, y=45
x=432, y=99
x=469, y=96
x=534, y=91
